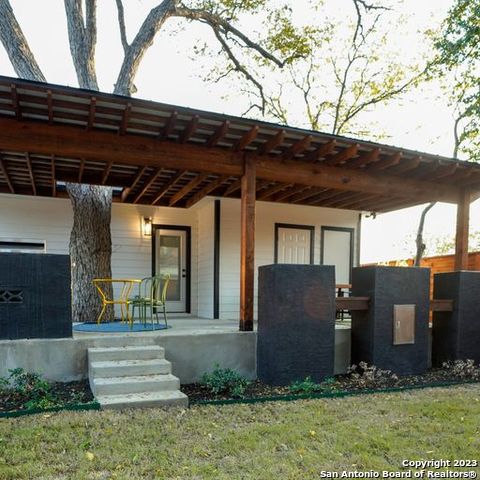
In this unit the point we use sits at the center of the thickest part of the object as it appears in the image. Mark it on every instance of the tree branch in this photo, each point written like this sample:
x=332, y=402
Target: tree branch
x=82, y=41
x=16, y=45
x=121, y=25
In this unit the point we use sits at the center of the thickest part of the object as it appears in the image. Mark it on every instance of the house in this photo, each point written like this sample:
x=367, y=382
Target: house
x=206, y=197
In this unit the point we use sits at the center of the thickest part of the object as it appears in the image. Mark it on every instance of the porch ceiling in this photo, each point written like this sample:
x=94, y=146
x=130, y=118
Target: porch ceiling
x=168, y=155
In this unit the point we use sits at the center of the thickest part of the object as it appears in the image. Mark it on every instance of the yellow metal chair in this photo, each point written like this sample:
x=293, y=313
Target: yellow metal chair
x=122, y=300
x=151, y=295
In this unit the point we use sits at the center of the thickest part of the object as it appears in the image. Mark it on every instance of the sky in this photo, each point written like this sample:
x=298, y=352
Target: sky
x=170, y=73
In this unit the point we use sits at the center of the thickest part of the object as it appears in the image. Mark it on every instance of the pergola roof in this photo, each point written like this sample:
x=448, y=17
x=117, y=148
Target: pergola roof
x=169, y=155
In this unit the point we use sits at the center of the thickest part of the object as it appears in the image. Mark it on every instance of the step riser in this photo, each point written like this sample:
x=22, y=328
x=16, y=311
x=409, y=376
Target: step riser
x=135, y=387
x=177, y=402
x=127, y=371
x=126, y=355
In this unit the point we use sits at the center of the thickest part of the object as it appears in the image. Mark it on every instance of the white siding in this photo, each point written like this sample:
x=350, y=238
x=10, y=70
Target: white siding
x=205, y=259
x=267, y=214
x=50, y=220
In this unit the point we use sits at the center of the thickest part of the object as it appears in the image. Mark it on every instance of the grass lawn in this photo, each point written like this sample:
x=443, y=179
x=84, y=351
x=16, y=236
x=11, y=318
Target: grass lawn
x=282, y=440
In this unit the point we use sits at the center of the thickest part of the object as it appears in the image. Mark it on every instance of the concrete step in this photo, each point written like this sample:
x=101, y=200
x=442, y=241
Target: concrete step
x=148, y=352
x=133, y=384
x=126, y=368
x=146, y=399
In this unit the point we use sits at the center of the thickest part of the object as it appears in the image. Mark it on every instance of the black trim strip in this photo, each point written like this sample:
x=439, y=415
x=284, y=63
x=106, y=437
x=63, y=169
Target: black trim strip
x=338, y=229
x=216, y=260
x=301, y=227
x=188, y=231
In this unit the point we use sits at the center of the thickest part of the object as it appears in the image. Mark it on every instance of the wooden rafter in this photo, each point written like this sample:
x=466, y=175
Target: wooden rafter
x=443, y=171
x=357, y=202
x=30, y=173
x=106, y=172
x=91, y=113
x=340, y=200
x=194, y=183
x=306, y=194
x=54, y=177
x=272, y=143
x=247, y=139
x=206, y=190
x=328, y=194
x=407, y=165
x=233, y=187
x=3, y=169
x=189, y=129
x=50, y=106
x=321, y=151
x=282, y=196
x=15, y=101
x=298, y=147
x=152, y=180
x=126, y=191
x=365, y=158
x=265, y=194
x=169, y=126
x=342, y=156
x=387, y=163
x=165, y=188
x=81, y=170
x=219, y=133
x=125, y=119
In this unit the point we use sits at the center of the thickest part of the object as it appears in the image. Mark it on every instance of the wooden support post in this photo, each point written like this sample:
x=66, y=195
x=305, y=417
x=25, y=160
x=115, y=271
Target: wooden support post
x=461, y=240
x=247, y=247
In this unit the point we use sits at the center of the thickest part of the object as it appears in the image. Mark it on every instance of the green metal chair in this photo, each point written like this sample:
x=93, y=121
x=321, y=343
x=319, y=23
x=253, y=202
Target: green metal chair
x=151, y=296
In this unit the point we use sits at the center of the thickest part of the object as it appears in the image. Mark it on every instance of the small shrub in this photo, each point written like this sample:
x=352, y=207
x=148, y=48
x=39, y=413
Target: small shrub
x=464, y=369
x=370, y=376
x=225, y=381
x=307, y=385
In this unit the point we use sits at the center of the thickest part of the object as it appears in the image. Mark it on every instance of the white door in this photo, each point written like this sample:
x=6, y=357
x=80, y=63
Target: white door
x=294, y=245
x=337, y=250
x=171, y=259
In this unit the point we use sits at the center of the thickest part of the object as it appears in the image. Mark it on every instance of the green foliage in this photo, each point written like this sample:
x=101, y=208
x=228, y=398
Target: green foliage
x=307, y=385
x=225, y=381
x=31, y=386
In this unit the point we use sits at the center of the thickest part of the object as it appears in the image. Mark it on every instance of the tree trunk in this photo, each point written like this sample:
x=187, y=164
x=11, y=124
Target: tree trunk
x=419, y=241
x=90, y=249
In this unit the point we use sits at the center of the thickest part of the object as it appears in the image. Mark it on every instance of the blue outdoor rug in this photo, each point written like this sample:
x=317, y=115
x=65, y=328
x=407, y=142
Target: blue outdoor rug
x=118, y=327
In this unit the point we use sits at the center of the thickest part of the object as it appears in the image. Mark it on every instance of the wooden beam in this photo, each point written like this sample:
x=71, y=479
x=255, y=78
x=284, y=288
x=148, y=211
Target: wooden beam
x=91, y=113
x=407, y=165
x=219, y=133
x=3, y=169
x=321, y=151
x=294, y=189
x=152, y=180
x=30, y=173
x=247, y=138
x=306, y=194
x=206, y=190
x=126, y=191
x=54, y=177
x=298, y=147
x=167, y=186
x=365, y=158
x=352, y=303
x=97, y=145
x=247, y=245
x=443, y=171
x=461, y=238
x=189, y=129
x=187, y=188
x=272, y=143
x=81, y=169
x=169, y=126
x=125, y=119
x=342, y=156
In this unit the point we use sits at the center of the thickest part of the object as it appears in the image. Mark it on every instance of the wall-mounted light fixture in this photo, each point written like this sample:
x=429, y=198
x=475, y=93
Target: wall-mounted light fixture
x=147, y=226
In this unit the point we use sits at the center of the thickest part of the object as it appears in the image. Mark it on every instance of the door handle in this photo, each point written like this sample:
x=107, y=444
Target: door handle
x=184, y=273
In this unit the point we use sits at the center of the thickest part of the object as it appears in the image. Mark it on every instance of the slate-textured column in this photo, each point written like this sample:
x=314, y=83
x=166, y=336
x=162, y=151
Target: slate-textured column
x=296, y=323
x=373, y=330
x=35, y=296
x=456, y=335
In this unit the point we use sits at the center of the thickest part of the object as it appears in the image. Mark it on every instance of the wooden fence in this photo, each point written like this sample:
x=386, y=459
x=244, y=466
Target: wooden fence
x=438, y=264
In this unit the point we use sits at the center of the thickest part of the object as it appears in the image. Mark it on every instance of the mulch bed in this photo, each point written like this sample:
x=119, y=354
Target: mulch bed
x=64, y=394
x=341, y=383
